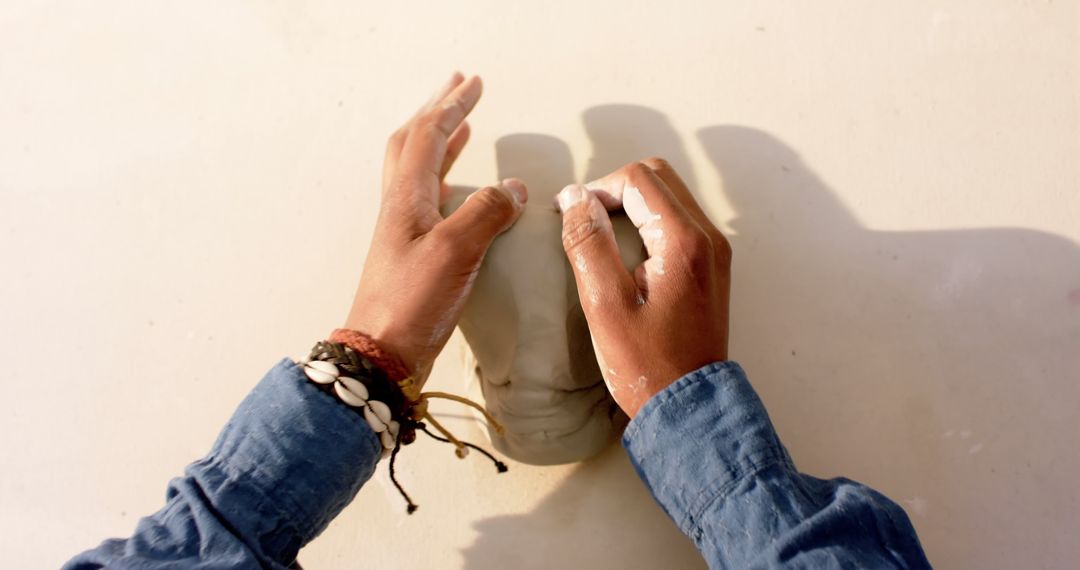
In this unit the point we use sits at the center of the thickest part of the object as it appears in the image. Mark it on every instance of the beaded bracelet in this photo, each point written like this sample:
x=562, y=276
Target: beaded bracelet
x=395, y=411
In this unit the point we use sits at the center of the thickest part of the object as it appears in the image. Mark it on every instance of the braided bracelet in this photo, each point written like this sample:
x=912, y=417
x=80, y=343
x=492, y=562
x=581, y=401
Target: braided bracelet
x=395, y=411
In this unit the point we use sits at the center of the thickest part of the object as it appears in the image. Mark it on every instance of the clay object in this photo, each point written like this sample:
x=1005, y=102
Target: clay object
x=530, y=357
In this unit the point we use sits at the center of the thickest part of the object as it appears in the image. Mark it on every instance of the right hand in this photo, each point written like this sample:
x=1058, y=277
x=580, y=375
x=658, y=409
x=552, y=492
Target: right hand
x=671, y=316
x=421, y=266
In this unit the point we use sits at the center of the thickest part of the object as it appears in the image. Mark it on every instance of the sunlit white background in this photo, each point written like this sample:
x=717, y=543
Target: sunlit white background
x=187, y=191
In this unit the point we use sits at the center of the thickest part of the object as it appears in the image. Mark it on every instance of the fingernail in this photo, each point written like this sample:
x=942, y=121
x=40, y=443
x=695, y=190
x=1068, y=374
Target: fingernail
x=569, y=196
x=509, y=193
x=518, y=188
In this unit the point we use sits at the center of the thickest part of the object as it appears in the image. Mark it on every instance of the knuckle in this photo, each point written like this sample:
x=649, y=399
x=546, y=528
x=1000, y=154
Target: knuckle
x=579, y=229
x=496, y=201
x=397, y=138
x=722, y=247
x=697, y=245
x=636, y=171
x=658, y=163
x=420, y=126
x=437, y=119
x=426, y=133
x=455, y=105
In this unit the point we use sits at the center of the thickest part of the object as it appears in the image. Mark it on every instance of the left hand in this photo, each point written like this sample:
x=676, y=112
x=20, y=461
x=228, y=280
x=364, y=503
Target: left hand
x=669, y=316
x=421, y=267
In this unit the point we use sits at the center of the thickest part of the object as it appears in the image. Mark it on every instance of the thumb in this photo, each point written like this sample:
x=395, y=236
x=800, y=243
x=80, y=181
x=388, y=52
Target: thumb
x=487, y=212
x=589, y=241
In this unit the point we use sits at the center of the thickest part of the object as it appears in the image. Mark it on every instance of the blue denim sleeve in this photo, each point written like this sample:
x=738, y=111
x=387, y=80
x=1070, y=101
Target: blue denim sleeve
x=708, y=453
x=284, y=466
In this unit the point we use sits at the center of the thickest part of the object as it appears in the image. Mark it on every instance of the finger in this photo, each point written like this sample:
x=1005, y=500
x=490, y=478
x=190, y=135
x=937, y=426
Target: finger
x=663, y=169
x=647, y=201
x=485, y=214
x=609, y=189
x=455, y=79
x=397, y=139
x=674, y=182
x=602, y=279
x=425, y=147
x=454, y=146
x=671, y=236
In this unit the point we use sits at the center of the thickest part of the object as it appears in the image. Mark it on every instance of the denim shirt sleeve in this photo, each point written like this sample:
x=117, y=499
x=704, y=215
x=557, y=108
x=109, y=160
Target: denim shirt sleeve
x=709, y=454
x=290, y=459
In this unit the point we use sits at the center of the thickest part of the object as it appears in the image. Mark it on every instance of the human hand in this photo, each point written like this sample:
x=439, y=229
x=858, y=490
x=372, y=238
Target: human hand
x=671, y=316
x=420, y=266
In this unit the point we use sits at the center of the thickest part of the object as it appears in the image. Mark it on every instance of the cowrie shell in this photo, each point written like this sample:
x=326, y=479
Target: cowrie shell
x=327, y=367
x=355, y=386
x=373, y=419
x=381, y=410
x=347, y=396
x=317, y=375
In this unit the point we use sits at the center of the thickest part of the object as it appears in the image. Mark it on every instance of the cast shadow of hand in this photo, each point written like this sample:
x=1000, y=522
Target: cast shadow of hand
x=939, y=367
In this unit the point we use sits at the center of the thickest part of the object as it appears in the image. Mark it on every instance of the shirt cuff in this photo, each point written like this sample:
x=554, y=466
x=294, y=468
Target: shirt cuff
x=290, y=459
x=696, y=439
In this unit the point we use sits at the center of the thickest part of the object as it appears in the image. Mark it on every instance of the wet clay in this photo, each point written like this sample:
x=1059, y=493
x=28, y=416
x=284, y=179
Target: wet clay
x=530, y=358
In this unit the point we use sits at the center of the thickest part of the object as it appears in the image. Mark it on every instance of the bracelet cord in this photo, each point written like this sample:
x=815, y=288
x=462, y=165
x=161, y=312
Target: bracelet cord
x=408, y=406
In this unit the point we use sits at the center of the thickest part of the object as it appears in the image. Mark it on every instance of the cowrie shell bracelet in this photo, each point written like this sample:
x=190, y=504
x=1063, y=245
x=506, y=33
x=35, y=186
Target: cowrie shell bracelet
x=395, y=411
x=353, y=393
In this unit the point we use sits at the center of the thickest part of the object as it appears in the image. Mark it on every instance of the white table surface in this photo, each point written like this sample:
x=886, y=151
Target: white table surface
x=901, y=183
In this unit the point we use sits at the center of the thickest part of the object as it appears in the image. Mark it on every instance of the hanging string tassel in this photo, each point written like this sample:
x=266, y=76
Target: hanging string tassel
x=499, y=465
x=352, y=368
x=460, y=449
x=410, y=505
x=419, y=411
x=494, y=423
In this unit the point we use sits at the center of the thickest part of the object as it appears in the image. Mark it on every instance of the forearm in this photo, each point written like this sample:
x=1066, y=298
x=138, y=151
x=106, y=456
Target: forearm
x=706, y=449
x=290, y=459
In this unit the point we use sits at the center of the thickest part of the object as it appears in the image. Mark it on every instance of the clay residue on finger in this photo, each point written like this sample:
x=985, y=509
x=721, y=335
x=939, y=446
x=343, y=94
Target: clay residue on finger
x=649, y=227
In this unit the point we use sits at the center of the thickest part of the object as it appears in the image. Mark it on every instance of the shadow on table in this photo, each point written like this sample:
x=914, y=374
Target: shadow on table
x=941, y=367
